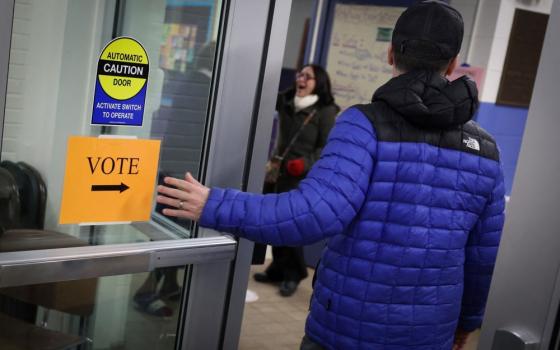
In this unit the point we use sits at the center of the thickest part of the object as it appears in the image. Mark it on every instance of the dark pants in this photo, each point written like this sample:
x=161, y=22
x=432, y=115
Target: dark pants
x=287, y=264
x=308, y=344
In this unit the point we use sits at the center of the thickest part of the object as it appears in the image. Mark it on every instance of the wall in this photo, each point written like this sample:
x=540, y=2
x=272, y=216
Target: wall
x=32, y=83
x=51, y=48
x=507, y=125
x=17, y=80
x=467, y=8
x=483, y=32
x=487, y=29
x=503, y=25
x=354, y=57
x=488, y=49
x=301, y=9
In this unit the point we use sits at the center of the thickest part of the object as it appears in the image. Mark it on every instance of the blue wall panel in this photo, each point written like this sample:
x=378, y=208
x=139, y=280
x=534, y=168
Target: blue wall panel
x=506, y=124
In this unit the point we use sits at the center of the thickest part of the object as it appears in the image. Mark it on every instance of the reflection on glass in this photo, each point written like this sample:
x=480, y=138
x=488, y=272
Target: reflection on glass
x=46, y=106
x=185, y=50
x=133, y=312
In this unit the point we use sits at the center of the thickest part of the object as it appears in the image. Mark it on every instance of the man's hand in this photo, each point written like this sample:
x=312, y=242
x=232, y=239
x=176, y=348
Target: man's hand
x=188, y=196
x=460, y=339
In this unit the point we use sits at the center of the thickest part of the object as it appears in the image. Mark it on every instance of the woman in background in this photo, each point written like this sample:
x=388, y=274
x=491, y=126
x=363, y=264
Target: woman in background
x=306, y=115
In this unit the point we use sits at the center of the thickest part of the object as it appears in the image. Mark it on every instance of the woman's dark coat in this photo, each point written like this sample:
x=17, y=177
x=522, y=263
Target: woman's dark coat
x=309, y=143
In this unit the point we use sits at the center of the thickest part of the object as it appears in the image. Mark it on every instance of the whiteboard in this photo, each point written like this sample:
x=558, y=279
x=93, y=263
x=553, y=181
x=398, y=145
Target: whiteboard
x=357, y=54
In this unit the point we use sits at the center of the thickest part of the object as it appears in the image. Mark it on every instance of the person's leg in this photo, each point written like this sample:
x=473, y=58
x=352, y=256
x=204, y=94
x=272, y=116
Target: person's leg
x=150, y=284
x=294, y=270
x=299, y=263
x=280, y=258
x=308, y=344
x=170, y=289
x=275, y=271
x=146, y=298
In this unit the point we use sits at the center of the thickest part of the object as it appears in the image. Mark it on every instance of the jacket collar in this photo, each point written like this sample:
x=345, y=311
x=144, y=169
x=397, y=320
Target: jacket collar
x=429, y=100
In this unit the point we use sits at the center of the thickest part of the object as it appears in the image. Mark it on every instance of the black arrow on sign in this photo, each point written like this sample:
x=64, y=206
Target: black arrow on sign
x=121, y=188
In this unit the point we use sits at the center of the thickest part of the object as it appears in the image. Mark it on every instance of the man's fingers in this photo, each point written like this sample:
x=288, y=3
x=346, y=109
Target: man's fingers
x=178, y=213
x=191, y=179
x=172, y=202
x=181, y=184
x=172, y=192
x=193, y=185
x=185, y=197
x=189, y=207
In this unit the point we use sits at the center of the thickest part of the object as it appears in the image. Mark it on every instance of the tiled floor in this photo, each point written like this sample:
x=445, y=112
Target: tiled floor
x=274, y=322
x=277, y=323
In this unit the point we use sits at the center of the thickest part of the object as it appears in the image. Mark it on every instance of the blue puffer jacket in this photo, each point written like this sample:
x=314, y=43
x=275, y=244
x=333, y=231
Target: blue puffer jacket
x=411, y=194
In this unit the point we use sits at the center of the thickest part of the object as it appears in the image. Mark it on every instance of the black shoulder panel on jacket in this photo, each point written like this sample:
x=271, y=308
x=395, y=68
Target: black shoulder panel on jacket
x=391, y=127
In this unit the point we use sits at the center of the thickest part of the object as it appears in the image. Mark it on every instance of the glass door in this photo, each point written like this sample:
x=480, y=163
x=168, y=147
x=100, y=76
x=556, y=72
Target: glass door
x=151, y=283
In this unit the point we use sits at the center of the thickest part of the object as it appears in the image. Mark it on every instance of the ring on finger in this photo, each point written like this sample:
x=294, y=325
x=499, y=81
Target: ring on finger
x=181, y=204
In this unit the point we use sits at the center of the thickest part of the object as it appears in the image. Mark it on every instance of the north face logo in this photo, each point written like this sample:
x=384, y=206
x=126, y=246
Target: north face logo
x=472, y=144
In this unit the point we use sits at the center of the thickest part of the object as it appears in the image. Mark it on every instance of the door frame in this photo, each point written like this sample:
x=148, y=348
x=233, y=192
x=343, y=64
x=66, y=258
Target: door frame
x=245, y=115
x=243, y=97
x=6, y=21
x=259, y=115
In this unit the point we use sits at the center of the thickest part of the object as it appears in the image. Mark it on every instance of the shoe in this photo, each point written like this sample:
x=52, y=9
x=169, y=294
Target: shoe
x=144, y=297
x=174, y=295
x=170, y=292
x=152, y=305
x=263, y=277
x=287, y=288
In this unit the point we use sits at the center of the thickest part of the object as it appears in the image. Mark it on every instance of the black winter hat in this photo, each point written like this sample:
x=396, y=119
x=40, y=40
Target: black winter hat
x=430, y=29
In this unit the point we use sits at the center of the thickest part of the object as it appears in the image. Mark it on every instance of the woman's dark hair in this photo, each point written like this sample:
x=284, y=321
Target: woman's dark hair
x=322, y=84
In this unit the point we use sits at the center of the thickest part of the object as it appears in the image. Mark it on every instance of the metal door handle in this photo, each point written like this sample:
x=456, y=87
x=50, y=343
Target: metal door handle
x=64, y=264
x=506, y=339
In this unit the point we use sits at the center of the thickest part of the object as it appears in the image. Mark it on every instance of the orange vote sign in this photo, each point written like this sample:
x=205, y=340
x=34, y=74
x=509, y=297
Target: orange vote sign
x=108, y=180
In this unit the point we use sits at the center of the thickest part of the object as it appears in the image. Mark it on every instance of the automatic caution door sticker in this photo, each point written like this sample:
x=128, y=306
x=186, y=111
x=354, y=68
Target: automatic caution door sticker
x=121, y=84
x=109, y=180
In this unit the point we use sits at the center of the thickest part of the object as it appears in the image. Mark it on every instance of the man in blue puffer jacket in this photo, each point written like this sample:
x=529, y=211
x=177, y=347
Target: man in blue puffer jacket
x=410, y=192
